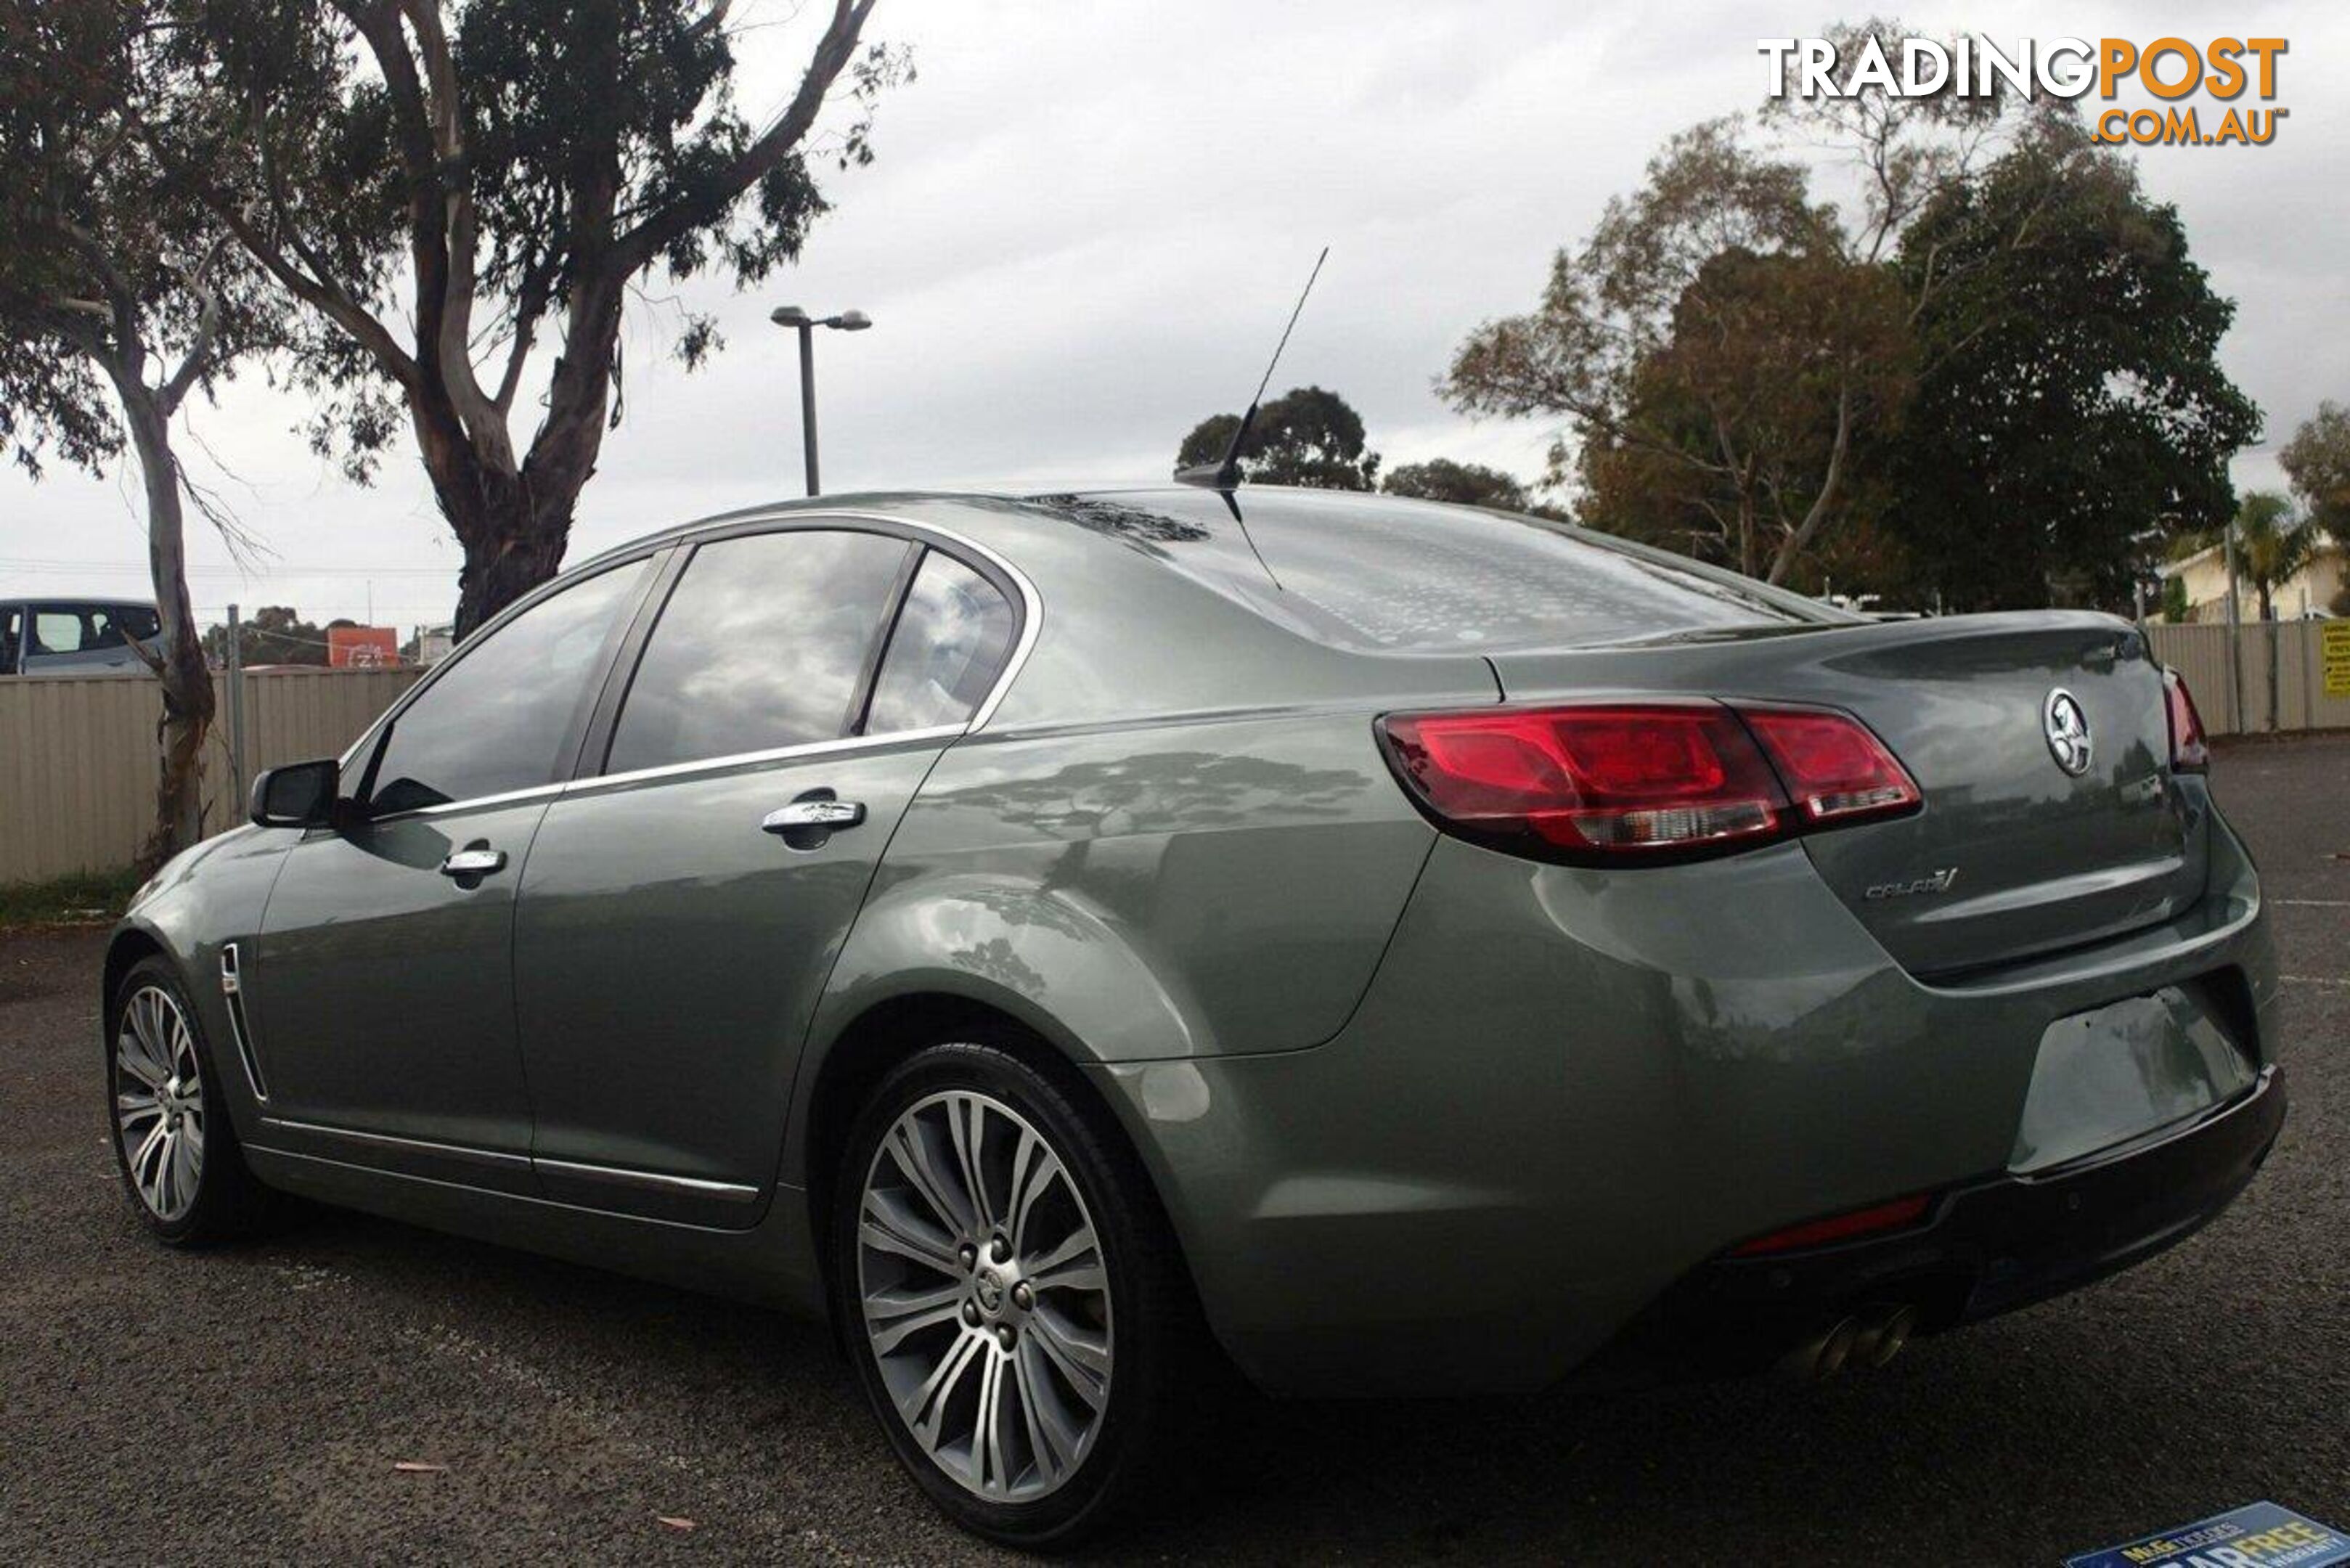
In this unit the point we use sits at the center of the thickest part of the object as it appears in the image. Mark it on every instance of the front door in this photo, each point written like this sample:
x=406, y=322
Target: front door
x=680, y=916
x=381, y=984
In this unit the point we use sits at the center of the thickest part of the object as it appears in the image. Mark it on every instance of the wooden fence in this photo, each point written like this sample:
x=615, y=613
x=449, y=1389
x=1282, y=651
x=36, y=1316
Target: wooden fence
x=77, y=756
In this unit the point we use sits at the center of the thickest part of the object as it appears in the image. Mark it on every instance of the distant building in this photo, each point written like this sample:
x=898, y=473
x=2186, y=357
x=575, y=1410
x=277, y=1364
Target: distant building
x=2313, y=587
x=433, y=643
x=362, y=646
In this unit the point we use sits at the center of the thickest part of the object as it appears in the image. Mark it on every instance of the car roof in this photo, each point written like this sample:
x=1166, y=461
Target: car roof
x=76, y=601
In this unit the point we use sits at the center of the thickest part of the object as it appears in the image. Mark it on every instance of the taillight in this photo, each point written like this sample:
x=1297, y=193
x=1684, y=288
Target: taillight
x=2189, y=754
x=1836, y=770
x=1642, y=782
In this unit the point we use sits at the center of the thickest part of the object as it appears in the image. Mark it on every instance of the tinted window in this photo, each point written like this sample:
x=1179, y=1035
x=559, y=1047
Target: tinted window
x=761, y=646
x=1381, y=573
x=496, y=718
x=136, y=621
x=951, y=641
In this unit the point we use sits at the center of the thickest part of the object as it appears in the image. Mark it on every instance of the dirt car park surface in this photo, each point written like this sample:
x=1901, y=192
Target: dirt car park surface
x=255, y=1403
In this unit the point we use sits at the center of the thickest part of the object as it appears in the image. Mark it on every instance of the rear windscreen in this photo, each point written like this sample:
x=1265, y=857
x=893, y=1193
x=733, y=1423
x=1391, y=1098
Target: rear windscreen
x=1390, y=576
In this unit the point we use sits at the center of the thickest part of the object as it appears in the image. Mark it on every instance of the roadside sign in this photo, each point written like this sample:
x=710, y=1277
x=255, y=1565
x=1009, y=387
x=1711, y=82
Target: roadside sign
x=362, y=646
x=2336, y=645
x=2258, y=1535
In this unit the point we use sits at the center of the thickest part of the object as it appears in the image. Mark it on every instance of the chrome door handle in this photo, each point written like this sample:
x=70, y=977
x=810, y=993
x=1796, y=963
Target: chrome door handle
x=474, y=861
x=824, y=815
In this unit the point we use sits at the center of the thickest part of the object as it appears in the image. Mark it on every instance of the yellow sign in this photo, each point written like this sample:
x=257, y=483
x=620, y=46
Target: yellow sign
x=2337, y=658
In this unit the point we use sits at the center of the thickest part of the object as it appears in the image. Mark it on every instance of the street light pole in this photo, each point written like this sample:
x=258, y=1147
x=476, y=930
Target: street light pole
x=800, y=321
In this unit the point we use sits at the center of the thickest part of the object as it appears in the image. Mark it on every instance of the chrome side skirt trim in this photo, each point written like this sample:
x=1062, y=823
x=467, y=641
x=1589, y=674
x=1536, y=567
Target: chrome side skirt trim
x=231, y=980
x=294, y=1157
x=498, y=1159
x=495, y=1158
x=694, y=1186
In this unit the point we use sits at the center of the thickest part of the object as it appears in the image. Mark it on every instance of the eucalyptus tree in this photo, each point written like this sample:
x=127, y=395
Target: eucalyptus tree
x=120, y=297
x=463, y=195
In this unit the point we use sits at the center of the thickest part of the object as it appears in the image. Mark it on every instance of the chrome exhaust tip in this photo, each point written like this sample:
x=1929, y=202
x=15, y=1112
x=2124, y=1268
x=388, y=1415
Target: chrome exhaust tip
x=1822, y=1356
x=1883, y=1330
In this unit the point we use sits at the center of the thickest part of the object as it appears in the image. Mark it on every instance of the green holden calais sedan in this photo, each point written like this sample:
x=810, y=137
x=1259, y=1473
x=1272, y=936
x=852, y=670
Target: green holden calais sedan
x=1396, y=948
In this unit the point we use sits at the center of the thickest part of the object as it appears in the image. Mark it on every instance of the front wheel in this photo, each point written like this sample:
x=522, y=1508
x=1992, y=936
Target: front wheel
x=1011, y=1298
x=173, y=1141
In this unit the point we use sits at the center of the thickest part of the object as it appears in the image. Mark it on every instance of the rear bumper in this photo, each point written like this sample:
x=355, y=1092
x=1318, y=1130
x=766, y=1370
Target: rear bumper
x=1566, y=1094
x=1986, y=1248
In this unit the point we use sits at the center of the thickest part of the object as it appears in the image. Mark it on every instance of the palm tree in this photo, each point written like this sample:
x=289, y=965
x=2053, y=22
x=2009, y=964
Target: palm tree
x=2271, y=544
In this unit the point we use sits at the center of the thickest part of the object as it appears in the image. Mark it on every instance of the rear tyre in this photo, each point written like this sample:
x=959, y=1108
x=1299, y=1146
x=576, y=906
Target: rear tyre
x=179, y=1157
x=1009, y=1293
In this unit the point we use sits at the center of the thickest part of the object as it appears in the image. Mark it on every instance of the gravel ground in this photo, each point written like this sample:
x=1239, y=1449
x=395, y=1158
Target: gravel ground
x=257, y=1404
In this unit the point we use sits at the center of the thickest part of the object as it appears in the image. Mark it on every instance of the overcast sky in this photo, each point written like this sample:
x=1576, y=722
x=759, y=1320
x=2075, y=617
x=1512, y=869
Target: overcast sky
x=1087, y=224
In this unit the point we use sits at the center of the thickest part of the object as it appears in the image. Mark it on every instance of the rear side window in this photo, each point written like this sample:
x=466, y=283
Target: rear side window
x=497, y=716
x=762, y=645
x=136, y=622
x=951, y=641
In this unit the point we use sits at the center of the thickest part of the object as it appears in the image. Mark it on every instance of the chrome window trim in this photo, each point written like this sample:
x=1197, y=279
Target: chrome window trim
x=699, y=1187
x=479, y=801
x=843, y=743
x=1030, y=620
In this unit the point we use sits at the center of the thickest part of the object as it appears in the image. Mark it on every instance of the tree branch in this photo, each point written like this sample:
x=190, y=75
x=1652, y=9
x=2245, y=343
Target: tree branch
x=455, y=239
x=636, y=249
x=198, y=357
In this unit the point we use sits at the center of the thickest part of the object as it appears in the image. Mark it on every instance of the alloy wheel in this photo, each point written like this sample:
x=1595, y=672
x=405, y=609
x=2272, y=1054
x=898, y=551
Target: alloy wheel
x=985, y=1295
x=159, y=1103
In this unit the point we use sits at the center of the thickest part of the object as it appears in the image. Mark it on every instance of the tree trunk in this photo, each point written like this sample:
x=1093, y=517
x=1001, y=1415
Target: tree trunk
x=186, y=680
x=514, y=527
x=2268, y=623
x=512, y=548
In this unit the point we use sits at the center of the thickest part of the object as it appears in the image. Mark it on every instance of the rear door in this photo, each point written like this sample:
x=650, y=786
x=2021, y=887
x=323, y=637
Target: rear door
x=681, y=913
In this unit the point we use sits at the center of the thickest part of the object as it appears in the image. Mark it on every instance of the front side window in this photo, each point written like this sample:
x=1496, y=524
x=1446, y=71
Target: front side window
x=762, y=646
x=497, y=717
x=951, y=641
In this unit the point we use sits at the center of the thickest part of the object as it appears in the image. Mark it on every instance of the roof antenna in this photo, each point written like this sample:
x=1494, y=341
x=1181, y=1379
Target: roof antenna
x=1223, y=475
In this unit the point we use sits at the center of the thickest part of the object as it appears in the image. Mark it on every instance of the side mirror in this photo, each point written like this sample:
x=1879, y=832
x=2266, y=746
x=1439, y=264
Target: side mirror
x=299, y=795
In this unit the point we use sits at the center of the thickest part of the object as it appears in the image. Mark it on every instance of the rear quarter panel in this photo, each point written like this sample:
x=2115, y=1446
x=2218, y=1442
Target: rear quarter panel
x=1139, y=893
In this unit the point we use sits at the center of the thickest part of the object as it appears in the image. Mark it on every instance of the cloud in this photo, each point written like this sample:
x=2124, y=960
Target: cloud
x=1086, y=224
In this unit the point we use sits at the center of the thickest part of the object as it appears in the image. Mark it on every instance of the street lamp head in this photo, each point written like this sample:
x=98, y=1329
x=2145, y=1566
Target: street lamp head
x=851, y=321
x=788, y=316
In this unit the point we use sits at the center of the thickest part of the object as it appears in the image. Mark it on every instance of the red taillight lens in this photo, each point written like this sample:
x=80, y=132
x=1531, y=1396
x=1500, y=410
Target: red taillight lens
x=1834, y=768
x=1632, y=781
x=1899, y=1214
x=2189, y=754
x=1643, y=782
